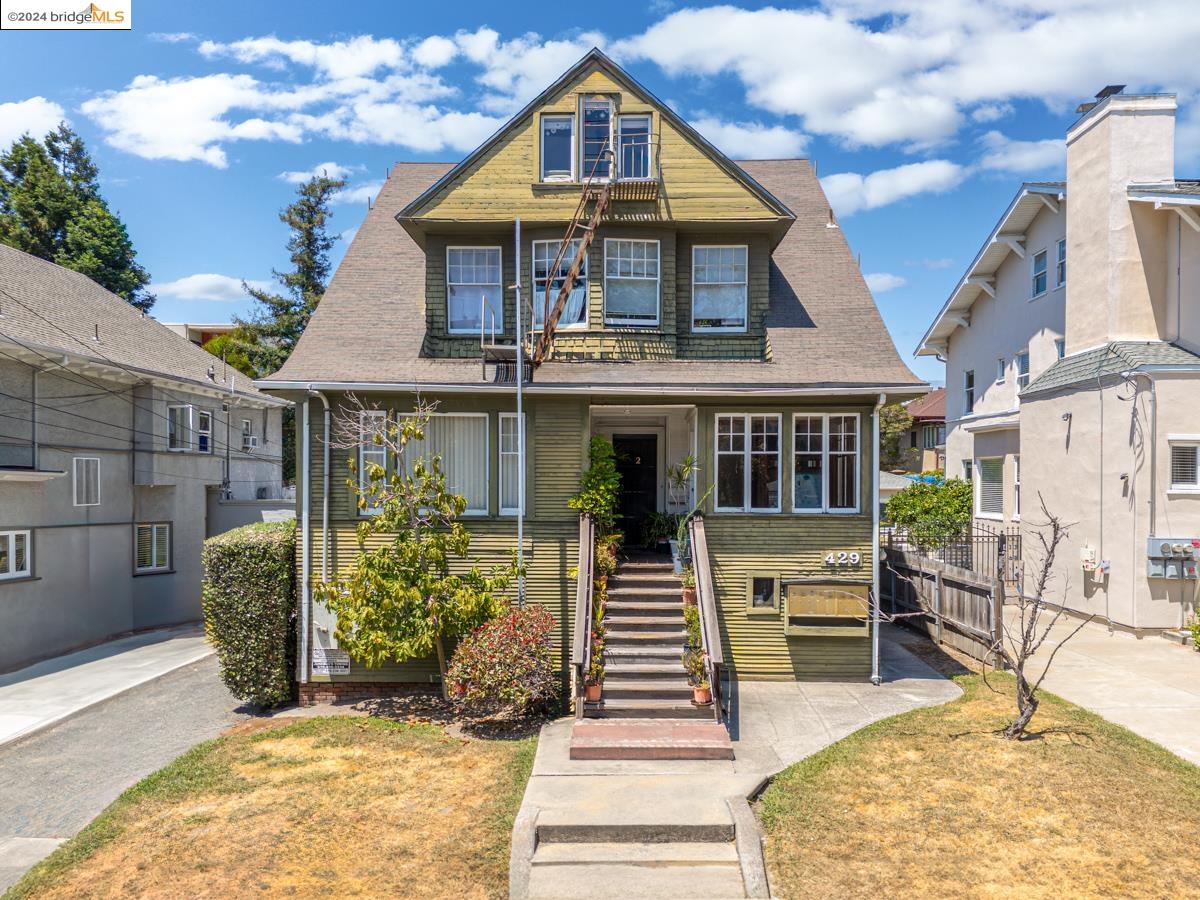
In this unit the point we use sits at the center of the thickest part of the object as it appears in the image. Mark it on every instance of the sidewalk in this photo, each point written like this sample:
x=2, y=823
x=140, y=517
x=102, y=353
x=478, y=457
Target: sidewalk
x=45, y=693
x=1150, y=686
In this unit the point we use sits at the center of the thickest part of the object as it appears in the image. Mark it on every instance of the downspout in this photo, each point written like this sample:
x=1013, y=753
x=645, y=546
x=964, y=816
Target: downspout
x=33, y=423
x=324, y=490
x=876, y=618
x=520, y=431
x=305, y=552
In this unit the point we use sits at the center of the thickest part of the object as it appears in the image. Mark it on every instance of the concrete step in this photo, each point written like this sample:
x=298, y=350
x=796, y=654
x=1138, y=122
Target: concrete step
x=649, y=739
x=620, y=638
x=617, y=688
x=642, y=623
x=642, y=668
x=655, y=855
x=625, y=881
x=617, y=708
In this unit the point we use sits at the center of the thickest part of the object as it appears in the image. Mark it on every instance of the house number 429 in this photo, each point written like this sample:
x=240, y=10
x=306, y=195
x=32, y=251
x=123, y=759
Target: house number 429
x=843, y=558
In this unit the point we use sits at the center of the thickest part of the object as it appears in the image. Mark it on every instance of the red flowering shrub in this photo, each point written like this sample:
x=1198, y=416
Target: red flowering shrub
x=508, y=664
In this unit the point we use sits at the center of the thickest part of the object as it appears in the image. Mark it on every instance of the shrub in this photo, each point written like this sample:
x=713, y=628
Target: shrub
x=599, y=485
x=691, y=622
x=508, y=664
x=249, y=601
x=932, y=511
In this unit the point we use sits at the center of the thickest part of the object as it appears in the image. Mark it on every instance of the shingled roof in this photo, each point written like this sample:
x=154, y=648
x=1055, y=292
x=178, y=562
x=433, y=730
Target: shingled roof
x=822, y=325
x=1112, y=359
x=47, y=309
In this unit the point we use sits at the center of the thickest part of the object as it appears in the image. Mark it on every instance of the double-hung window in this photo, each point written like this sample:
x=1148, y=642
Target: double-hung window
x=575, y=311
x=597, y=138
x=1060, y=268
x=633, y=146
x=1001, y=366
x=204, y=431
x=15, y=555
x=510, y=465
x=474, y=298
x=826, y=463
x=460, y=441
x=719, y=288
x=1060, y=347
x=989, y=492
x=152, y=547
x=1039, y=274
x=931, y=436
x=631, y=278
x=372, y=430
x=86, y=478
x=748, y=470
x=1022, y=363
x=1017, y=487
x=558, y=148
x=179, y=427
x=968, y=392
x=1185, y=473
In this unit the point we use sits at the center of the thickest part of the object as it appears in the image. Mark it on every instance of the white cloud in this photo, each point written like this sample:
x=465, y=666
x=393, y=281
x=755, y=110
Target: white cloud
x=751, y=140
x=1003, y=154
x=942, y=262
x=208, y=286
x=37, y=116
x=991, y=112
x=328, y=169
x=434, y=52
x=172, y=37
x=882, y=282
x=849, y=192
x=518, y=70
x=357, y=57
x=359, y=193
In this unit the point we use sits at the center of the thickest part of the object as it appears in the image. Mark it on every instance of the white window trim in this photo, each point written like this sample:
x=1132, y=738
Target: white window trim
x=979, y=513
x=485, y=325
x=1001, y=370
x=500, y=454
x=746, y=454
x=75, y=479
x=640, y=323
x=14, y=573
x=1033, y=273
x=190, y=427
x=487, y=439
x=969, y=408
x=1018, y=374
x=612, y=125
x=649, y=176
x=363, y=416
x=153, y=526
x=1016, y=516
x=721, y=329
x=557, y=179
x=584, y=277
x=1060, y=261
x=1182, y=440
x=207, y=432
x=825, y=508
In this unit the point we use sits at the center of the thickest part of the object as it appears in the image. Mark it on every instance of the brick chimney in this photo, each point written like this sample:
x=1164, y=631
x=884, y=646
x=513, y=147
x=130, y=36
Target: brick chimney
x=1116, y=284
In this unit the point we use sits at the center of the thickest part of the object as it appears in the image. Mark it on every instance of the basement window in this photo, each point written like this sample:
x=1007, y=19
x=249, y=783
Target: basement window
x=762, y=594
x=558, y=148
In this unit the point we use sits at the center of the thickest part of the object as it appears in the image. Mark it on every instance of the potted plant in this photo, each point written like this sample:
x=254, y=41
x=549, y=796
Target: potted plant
x=693, y=663
x=688, y=578
x=593, y=680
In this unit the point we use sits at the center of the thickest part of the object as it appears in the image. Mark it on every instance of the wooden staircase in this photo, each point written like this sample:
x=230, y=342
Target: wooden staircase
x=647, y=710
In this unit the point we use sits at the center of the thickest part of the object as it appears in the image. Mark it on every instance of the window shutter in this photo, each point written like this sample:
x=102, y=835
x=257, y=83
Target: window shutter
x=145, y=554
x=1183, y=465
x=991, y=486
x=161, y=543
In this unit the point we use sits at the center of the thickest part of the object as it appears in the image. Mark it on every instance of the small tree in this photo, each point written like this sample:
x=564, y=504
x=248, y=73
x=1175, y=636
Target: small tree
x=599, y=486
x=400, y=600
x=932, y=511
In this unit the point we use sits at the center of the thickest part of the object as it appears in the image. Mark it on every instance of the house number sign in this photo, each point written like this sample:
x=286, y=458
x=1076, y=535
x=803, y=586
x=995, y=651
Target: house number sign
x=843, y=558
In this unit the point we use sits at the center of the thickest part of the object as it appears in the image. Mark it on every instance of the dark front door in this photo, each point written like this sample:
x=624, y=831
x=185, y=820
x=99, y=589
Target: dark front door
x=637, y=461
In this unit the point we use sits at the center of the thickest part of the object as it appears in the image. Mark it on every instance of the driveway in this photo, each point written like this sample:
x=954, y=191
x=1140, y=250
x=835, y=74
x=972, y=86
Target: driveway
x=1150, y=686
x=54, y=782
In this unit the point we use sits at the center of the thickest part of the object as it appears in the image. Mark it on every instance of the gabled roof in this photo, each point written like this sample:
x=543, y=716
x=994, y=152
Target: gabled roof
x=823, y=327
x=1113, y=359
x=931, y=406
x=1031, y=199
x=49, y=311
x=595, y=57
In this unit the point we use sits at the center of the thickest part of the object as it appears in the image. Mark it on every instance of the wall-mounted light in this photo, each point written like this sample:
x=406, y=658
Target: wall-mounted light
x=1066, y=417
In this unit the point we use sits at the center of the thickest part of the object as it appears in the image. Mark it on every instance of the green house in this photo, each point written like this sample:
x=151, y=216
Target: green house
x=718, y=313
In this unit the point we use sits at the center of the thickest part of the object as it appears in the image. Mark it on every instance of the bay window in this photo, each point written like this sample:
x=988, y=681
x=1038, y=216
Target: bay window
x=719, y=288
x=748, y=470
x=474, y=298
x=826, y=465
x=575, y=311
x=631, y=277
x=460, y=440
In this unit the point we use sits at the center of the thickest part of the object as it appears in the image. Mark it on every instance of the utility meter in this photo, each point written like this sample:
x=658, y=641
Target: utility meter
x=1175, y=558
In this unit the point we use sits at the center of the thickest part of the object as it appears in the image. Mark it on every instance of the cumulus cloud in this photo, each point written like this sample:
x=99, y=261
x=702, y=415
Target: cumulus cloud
x=882, y=282
x=991, y=112
x=37, y=115
x=172, y=37
x=328, y=169
x=849, y=192
x=359, y=56
x=207, y=286
x=434, y=52
x=516, y=71
x=1003, y=154
x=751, y=140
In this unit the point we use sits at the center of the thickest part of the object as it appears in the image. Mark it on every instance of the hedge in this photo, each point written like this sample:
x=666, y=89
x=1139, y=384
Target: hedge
x=249, y=600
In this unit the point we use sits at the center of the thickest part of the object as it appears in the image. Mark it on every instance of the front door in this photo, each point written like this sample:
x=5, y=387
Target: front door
x=637, y=461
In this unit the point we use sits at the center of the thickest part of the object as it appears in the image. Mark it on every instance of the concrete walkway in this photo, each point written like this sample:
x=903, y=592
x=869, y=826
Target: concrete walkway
x=40, y=695
x=1150, y=686
x=667, y=828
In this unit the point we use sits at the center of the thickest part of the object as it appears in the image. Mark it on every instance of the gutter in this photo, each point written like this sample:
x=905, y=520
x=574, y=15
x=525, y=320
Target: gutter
x=876, y=617
x=614, y=390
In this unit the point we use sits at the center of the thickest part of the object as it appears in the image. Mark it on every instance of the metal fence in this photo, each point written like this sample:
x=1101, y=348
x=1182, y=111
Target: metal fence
x=987, y=551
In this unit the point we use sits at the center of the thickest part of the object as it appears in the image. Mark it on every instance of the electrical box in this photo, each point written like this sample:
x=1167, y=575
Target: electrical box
x=1087, y=558
x=1174, y=558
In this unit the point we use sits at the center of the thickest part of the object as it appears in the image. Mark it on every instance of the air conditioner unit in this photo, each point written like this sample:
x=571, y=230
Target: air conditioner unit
x=249, y=442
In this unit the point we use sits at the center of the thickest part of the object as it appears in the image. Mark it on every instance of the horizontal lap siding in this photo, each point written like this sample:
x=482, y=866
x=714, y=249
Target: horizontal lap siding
x=701, y=345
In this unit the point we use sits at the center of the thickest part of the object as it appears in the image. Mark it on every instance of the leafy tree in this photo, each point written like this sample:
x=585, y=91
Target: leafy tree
x=50, y=206
x=894, y=424
x=599, y=486
x=400, y=600
x=231, y=350
x=932, y=511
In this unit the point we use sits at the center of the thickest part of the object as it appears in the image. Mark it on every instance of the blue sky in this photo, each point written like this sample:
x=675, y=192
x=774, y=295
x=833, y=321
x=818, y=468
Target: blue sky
x=923, y=116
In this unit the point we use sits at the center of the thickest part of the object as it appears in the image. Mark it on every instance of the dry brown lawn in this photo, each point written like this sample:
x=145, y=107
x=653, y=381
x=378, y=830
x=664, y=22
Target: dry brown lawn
x=320, y=807
x=934, y=804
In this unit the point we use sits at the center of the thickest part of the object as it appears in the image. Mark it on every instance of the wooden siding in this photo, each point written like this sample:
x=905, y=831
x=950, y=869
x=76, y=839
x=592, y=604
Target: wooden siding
x=504, y=182
x=724, y=345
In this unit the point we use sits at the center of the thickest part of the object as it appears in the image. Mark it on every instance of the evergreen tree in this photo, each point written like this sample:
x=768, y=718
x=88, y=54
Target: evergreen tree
x=50, y=206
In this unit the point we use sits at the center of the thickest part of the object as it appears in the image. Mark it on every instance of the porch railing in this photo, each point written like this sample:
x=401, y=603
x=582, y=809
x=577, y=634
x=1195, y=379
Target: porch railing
x=581, y=641
x=706, y=602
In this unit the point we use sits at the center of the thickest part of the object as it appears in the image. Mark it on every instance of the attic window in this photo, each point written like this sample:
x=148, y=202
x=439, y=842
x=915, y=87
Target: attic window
x=558, y=148
x=597, y=137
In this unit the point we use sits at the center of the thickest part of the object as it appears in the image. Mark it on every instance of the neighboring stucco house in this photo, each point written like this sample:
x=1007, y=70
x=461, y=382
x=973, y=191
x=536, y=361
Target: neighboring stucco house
x=201, y=334
x=118, y=436
x=720, y=314
x=926, y=439
x=1080, y=389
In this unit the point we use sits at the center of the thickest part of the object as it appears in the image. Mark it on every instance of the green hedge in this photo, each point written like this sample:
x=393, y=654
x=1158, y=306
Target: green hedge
x=249, y=600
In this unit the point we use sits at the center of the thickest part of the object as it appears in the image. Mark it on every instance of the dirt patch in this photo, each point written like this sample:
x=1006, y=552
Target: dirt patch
x=935, y=804
x=429, y=710
x=311, y=808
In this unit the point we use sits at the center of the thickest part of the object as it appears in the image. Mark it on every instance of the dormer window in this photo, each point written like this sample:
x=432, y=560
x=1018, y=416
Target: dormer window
x=633, y=146
x=597, y=137
x=558, y=148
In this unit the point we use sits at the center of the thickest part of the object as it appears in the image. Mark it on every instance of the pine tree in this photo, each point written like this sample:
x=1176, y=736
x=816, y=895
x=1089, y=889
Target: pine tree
x=50, y=206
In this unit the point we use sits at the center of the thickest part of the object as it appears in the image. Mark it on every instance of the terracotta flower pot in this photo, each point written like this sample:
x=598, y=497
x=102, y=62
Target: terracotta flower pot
x=701, y=696
x=591, y=692
x=689, y=596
